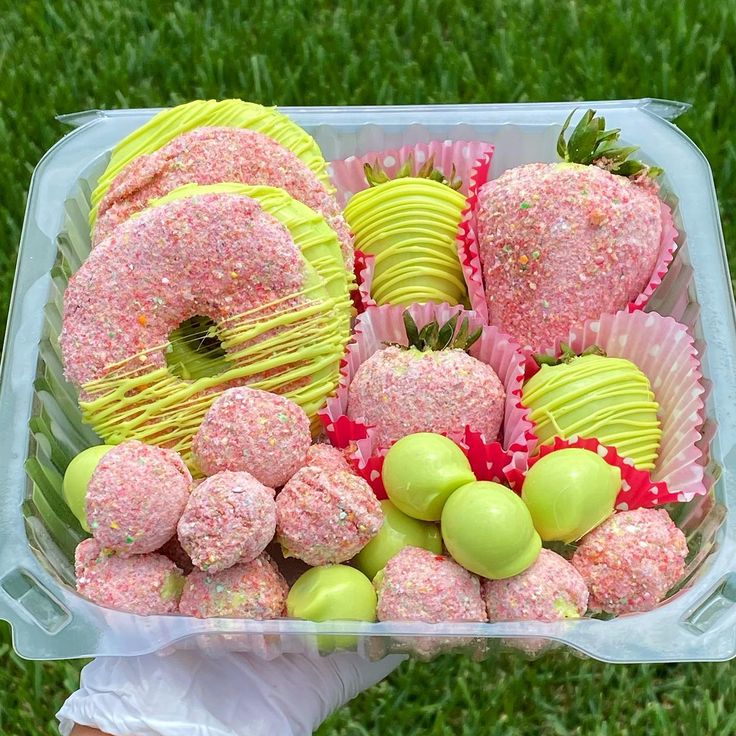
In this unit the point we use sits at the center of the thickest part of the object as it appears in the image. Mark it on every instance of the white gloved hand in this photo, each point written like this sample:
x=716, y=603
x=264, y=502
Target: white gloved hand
x=191, y=693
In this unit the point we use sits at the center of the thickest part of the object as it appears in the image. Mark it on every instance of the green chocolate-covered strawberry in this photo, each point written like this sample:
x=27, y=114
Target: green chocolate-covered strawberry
x=410, y=224
x=597, y=396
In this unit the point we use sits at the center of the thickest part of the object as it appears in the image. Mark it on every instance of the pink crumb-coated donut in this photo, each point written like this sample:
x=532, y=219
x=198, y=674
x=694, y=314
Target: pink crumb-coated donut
x=549, y=590
x=213, y=255
x=327, y=457
x=326, y=516
x=145, y=584
x=401, y=392
x=254, y=589
x=631, y=560
x=256, y=431
x=418, y=585
x=229, y=518
x=214, y=155
x=135, y=497
x=562, y=243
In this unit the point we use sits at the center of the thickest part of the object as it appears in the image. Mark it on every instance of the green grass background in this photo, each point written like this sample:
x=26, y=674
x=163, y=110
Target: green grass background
x=63, y=56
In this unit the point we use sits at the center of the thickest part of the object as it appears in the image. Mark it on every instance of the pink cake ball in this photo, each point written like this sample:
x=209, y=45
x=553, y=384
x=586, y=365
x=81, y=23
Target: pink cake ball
x=401, y=392
x=326, y=516
x=175, y=552
x=327, y=457
x=631, y=560
x=261, y=433
x=254, y=589
x=135, y=497
x=145, y=584
x=418, y=585
x=213, y=155
x=562, y=243
x=229, y=518
x=549, y=590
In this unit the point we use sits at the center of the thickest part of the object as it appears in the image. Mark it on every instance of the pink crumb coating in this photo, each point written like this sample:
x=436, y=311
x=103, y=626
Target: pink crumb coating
x=215, y=155
x=401, y=392
x=325, y=516
x=418, y=585
x=135, y=497
x=631, y=560
x=254, y=589
x=256, y=431
x=145, y=584
x=175, y=552
x=229, y=518
x=213, y=255
x=562, y=243
x=327, y=457
x=549, y=590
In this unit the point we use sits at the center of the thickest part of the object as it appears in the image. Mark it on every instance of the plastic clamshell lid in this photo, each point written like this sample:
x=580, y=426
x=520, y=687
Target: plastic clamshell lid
x=51, y=621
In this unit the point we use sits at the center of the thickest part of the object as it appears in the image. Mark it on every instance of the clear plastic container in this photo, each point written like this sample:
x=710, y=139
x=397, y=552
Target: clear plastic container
x=40, y=427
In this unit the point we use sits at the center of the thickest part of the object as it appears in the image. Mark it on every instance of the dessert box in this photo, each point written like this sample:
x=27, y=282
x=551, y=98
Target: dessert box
x=41, y=428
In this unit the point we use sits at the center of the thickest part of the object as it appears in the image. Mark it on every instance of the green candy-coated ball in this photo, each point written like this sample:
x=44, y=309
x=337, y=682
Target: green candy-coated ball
x=398, y=531
x=570, y=492
x=77, y=477
x=333, y=593
x=421, y=471
x=488, y=530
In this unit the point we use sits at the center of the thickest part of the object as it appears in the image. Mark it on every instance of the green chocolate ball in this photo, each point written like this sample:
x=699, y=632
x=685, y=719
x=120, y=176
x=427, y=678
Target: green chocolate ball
x=488, y=530
x=398, y=531
x=332, y=593
x=421, y=471
x=570, y=492
x=77, y=477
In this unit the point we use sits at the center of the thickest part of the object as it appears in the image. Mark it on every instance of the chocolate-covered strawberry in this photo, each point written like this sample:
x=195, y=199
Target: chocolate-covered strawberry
x=431, y=385
x=564, y=242
x=409, y=224
x=593, y=395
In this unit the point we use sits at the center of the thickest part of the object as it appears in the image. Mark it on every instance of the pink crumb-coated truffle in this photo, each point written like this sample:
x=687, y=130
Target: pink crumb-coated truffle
x=401, y=392
x=145, y=584
x=229, y=518
x=327, y=457
x=562, y=243
x=326, y=516
x=418, y=585
x=631, y=560
x=254, y=589
x=549, y=590
x=213, y=155
x=135, y=497
x=256, y=431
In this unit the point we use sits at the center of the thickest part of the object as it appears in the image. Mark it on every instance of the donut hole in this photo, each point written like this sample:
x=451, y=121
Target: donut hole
x=195, y=350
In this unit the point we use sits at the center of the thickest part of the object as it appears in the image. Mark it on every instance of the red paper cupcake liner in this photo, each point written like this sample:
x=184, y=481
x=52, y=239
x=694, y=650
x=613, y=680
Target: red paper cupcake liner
x=665, y=351
x=638, y=490
x=489, y=459
x=472, y=161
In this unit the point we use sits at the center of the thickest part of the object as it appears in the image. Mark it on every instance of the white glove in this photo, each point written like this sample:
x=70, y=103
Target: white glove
x=191, y=693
